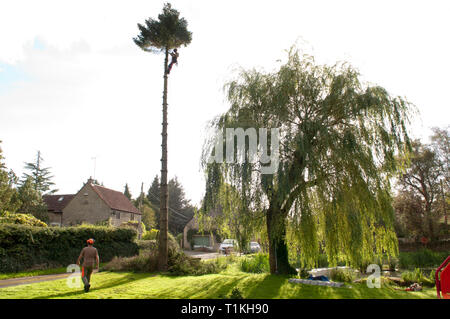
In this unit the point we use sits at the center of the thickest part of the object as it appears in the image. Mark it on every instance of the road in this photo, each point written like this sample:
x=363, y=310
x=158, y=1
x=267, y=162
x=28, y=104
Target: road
x=201, y=254
x=31, y=280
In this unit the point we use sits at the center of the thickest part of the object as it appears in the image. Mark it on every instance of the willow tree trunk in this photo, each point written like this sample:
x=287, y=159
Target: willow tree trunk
x=278, y=252
x=164, y=196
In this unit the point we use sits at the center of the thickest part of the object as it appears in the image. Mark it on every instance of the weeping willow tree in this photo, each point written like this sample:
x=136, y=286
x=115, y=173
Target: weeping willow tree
x=338, y=139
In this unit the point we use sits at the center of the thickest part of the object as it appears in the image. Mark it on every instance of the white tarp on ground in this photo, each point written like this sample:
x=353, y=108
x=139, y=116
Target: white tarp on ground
x=316, y=282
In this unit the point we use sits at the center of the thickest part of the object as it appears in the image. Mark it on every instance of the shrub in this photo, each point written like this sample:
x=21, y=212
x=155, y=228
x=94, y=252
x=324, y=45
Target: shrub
x=222, y=262
x=384, y=281
x=421, y=259
x=144, y=262
x=147, y=245
x=393, y=263
x=23, y=219
x=150, y=234
x=342, y=275
x=143, y=228
x=417, y=275
x=179, y=238
x=178, y=264
x=258, y=263
x=182, y=265
x=105, y=222
x=130, y=223
x=23, y=246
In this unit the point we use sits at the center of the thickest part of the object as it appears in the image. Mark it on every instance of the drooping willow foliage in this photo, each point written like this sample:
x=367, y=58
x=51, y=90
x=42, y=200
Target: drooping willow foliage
x=338, y=142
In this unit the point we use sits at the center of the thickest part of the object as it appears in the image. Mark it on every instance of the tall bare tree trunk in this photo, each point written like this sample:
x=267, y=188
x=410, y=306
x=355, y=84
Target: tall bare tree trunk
x=164, y=197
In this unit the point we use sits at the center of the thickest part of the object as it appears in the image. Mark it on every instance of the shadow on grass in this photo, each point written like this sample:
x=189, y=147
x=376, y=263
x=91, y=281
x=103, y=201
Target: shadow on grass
x=217, y=287
x=130, y=277
x=357, y=291
x=276, y=286
x=268, y=288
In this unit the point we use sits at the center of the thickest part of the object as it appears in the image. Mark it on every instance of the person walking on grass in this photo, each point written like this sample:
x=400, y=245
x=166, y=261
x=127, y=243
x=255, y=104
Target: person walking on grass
x=90, y=260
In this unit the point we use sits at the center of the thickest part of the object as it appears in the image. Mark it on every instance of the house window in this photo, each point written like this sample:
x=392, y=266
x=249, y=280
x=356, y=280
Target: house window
x=115, y=214
x=132, y=217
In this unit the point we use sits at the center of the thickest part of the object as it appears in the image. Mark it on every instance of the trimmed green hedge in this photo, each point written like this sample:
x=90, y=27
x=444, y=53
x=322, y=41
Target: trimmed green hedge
x=23, y=247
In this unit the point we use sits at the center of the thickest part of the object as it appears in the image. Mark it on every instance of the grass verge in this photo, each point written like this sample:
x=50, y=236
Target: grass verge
x=110, y=285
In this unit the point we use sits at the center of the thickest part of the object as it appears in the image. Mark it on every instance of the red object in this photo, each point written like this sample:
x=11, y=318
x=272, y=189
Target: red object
x=90, y=241
x=443, y=283
x=424, y=240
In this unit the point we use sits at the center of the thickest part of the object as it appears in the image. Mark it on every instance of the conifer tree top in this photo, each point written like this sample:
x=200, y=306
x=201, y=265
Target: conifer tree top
x=168, y=32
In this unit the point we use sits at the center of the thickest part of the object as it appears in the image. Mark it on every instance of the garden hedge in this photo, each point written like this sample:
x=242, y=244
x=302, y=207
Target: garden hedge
x=25, y=247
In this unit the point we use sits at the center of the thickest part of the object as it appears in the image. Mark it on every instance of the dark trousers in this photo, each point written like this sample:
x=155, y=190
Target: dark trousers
x=170, y=66
x=86, y=272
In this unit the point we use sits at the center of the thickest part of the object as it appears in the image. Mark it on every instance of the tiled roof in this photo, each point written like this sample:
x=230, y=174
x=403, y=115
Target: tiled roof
x=56, y=203
x=115, y=200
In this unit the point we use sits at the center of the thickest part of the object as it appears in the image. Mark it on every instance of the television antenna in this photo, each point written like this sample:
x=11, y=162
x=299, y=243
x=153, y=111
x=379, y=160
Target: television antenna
x=95, y=165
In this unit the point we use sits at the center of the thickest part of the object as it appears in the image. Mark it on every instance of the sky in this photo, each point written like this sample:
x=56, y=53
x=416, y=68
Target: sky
x=75, y=86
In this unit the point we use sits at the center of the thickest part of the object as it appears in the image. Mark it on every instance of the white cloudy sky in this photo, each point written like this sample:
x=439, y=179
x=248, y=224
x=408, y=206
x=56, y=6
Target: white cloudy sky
x=74, y=85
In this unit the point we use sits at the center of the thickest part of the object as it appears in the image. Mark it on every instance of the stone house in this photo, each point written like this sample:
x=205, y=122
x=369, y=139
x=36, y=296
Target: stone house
x=93, y=204
x=55, y=205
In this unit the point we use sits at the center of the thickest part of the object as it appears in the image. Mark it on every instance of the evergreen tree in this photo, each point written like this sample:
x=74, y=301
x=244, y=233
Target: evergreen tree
x=148, y=216
x=40, y=176
x=180, y=209
x=167, y=33
x=154, y=192
x=9, y=200
x=126, y=192
x=32, y=202
x=146, y=208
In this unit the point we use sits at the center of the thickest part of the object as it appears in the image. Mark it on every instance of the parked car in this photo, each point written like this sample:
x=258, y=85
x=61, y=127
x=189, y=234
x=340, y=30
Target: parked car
x=228, y=244
x=254, y=247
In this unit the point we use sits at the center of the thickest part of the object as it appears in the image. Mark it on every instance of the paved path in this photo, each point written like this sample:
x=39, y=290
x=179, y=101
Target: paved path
x=201, y=254
x=31, y=280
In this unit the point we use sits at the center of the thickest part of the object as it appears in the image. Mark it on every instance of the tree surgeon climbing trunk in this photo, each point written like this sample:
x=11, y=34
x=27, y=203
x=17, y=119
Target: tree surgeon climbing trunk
x=278, y=252
x=164, y=197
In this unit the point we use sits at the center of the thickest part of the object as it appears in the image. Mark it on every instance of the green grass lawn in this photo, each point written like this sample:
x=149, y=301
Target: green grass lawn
x=107, y=285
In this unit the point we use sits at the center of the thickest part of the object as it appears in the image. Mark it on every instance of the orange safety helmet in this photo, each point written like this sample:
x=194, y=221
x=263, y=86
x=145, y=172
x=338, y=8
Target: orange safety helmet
x=90, y=241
